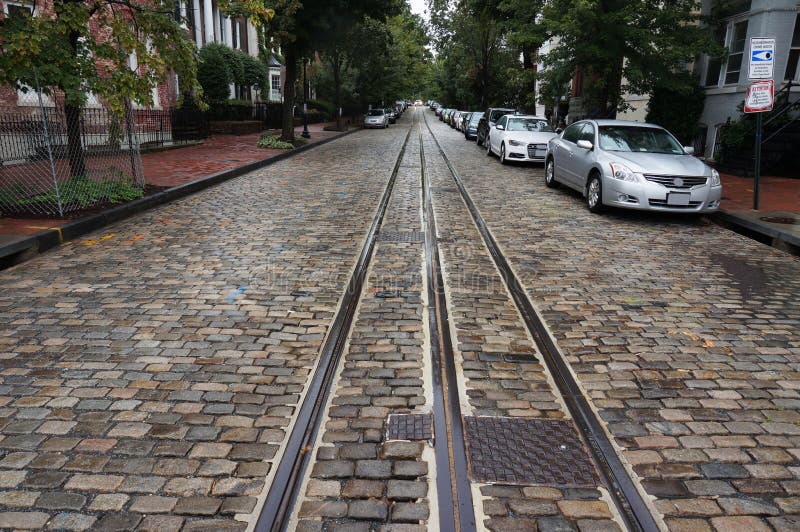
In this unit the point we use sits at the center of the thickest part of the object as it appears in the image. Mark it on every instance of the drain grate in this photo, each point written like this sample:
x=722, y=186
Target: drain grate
x=527, y=451
x=410, y=427
x=788, y=220
x=401, y=236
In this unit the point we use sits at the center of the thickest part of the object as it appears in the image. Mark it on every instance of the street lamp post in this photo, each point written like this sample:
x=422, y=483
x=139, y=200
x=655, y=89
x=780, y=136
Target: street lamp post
x=305, y=134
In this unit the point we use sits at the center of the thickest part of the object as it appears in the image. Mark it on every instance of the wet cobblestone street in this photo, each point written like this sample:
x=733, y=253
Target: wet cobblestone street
x=151, y=374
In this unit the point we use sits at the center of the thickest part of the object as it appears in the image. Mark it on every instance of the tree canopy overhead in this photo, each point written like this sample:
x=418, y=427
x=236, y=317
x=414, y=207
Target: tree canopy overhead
x=82, y=46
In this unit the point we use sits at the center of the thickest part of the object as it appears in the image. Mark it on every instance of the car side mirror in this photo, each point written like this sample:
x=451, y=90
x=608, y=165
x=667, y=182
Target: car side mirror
x=559, y=130
x=689, y=150
x=585, y=144
x=500, y=128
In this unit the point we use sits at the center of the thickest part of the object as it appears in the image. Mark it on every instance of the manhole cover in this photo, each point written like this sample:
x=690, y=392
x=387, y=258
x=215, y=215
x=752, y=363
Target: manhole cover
x=410, y=427
x=527, y=451
x=788, y=220
x=401, y=236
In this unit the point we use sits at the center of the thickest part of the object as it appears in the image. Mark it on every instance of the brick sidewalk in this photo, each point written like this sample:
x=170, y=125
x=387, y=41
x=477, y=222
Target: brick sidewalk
x=775, y=193
x=182, y=165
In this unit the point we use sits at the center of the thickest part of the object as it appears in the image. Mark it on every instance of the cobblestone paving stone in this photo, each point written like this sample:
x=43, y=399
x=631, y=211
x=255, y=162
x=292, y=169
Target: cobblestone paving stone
x=361, y=481
x=685, y=335
x=488, y=328
x=148, y=374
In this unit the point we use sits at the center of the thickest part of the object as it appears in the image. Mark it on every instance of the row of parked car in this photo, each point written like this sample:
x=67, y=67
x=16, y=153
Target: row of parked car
x=613, y=163
x=382, y=117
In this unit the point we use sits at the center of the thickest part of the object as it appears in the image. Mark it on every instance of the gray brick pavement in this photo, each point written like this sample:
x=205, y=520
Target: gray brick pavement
x=684, y=334
x=148, y=373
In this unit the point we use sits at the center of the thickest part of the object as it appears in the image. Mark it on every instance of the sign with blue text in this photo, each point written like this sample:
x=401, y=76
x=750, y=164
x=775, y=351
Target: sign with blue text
x=762, y=58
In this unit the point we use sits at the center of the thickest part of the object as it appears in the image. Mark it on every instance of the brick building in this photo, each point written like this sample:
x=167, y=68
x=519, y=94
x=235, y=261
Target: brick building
x=204, y=23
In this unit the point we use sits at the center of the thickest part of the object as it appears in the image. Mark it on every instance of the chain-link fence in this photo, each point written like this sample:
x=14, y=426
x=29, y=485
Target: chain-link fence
x=56, y=159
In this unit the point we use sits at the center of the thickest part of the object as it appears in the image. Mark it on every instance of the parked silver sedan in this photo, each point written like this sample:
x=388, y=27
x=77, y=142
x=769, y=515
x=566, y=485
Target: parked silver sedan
x=376, y=118
x=615, y=163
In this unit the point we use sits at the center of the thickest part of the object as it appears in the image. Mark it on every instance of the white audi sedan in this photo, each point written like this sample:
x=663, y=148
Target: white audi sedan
x=520, y=138
x=615, y=163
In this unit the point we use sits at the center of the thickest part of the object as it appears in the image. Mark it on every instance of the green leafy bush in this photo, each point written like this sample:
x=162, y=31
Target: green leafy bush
x=328, y=108
x=85, y=192
x=678, y=106
x=214, y=73
x=274, y=142
x=255, y=72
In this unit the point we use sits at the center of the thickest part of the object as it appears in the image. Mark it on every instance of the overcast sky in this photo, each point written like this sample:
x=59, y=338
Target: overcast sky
x=418, y=6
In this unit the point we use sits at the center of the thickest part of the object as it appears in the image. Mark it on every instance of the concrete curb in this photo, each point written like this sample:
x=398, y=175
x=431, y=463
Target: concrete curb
x=749, y=226
x=22, y=249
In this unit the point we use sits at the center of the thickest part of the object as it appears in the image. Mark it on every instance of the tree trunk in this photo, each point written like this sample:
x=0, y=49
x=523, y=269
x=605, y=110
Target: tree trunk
x=72, y=116
x=287, y=131
x=485, y=72
x=337, y=83
x=528, y=64
x=77, y=157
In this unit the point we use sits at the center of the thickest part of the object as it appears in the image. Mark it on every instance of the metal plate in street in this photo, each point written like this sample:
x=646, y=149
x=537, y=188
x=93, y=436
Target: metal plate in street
x=410, y=427
x=401, y=236
x=527, y=452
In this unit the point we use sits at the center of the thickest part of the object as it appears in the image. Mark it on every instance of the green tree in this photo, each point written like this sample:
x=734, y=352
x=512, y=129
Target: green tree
x=526, y=32
x=213, y=72
x=57, y=48
x=622, y=46
x=473, y=53
x=682, y=92
x=300, y=28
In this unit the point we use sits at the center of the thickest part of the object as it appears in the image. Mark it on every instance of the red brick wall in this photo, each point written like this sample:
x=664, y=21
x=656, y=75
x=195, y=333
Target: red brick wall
x=8, y=95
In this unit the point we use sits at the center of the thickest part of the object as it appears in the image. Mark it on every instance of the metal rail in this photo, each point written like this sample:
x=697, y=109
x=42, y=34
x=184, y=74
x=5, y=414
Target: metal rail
x=626, y=496
x=286, y=484
x=454, y=489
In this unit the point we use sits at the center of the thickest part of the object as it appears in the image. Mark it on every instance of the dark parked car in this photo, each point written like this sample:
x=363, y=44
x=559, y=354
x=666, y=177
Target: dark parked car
x=489, y=119
x=471, y=127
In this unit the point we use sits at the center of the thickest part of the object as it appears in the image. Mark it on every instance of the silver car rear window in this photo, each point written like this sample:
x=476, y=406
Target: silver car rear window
x=375, y=112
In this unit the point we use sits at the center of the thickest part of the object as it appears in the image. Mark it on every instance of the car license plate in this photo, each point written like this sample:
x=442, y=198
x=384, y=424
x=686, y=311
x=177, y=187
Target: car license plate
x=678, y=198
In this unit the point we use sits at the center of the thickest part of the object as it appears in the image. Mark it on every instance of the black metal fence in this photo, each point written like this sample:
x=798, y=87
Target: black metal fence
x=269, y=114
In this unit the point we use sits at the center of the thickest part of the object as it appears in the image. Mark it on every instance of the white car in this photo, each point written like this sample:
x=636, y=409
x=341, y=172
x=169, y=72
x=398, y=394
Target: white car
x=520, y=138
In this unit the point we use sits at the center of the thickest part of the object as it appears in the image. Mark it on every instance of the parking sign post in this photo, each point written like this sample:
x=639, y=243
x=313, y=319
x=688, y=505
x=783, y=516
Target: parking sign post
x=760, y=99
x=757, y=176
x=760, y=94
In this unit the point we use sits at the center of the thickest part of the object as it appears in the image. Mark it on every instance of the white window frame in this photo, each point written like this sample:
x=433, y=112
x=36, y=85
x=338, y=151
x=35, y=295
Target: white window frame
x=274, y=93
x=723, y=71
x=793, y=47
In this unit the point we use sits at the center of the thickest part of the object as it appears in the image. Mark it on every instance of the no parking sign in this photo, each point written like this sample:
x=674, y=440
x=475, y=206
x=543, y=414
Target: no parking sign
x=760, y=97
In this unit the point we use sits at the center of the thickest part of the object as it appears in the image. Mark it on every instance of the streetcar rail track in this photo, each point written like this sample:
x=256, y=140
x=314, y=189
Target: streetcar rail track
x=287, y=482
x=453, y=490
x=623, y=491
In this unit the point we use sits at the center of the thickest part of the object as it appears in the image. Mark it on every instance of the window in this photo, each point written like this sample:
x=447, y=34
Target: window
x=587, y=133
x=734, y=37
x=572, y=133
x=736, y=52
x=503, y=121
x=715, y=63
x=794, y=53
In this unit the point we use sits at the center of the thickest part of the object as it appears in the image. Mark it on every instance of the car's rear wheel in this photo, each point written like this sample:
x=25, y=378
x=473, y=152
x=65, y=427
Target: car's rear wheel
x=594, y=193
x=503, y=159
x=550, y=174
x=478, y=140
